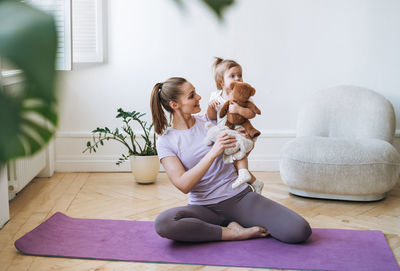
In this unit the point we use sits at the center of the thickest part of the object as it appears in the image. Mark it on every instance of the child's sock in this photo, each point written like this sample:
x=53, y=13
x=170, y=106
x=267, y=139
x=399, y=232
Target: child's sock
x=243, y=177
x=258, y=186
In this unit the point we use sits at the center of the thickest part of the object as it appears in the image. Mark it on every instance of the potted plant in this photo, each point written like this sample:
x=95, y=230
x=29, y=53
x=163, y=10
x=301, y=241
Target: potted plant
x=143, y=157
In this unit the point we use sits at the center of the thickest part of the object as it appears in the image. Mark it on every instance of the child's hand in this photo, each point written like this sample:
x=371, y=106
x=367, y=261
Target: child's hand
x=243, y=111
x=214, y=104
x=234, y=108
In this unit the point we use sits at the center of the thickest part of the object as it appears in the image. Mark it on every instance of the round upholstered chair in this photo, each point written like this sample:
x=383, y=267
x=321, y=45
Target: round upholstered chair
x=343, y=147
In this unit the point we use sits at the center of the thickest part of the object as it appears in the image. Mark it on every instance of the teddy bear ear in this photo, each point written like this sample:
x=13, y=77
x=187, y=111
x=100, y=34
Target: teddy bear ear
x=232, y=85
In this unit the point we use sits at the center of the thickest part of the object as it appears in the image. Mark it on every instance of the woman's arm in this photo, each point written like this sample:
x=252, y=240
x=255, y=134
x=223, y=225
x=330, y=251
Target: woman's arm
x=186, y=180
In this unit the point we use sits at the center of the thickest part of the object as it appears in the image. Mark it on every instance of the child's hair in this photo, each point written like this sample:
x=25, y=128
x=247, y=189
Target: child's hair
x=220, y=67
x=161, y=95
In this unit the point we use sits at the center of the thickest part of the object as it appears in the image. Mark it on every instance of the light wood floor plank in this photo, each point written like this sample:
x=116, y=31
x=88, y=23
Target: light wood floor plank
x=117, y=196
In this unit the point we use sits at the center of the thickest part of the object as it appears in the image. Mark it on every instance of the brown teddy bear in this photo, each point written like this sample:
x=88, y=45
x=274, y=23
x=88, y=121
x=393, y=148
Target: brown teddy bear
x=241, y=92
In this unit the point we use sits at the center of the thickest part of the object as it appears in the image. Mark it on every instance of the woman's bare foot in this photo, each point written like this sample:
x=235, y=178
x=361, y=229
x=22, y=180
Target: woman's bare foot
x=234, y=231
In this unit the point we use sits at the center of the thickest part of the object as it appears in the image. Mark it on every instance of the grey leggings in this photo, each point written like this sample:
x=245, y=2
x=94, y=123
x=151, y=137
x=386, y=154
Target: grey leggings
x=200, y=223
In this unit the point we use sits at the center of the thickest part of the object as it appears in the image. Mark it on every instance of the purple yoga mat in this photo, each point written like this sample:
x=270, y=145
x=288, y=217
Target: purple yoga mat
x=327, y=249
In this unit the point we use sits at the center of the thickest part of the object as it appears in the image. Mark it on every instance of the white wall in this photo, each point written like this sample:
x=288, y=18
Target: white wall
x=288, y=49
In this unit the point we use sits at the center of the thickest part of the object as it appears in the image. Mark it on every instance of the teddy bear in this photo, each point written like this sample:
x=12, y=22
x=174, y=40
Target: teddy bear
x=242, y=146
x=241, y=92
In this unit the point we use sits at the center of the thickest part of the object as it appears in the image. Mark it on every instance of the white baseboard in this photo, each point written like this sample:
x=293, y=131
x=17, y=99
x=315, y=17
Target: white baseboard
x=69, y=156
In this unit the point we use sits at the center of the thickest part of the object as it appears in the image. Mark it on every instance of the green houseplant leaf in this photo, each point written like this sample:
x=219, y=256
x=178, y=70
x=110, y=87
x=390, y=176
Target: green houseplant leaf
x=28, y=116
x=218, y=7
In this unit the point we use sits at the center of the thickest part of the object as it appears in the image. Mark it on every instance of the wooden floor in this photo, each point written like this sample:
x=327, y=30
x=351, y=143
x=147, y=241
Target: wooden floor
x=117, y=196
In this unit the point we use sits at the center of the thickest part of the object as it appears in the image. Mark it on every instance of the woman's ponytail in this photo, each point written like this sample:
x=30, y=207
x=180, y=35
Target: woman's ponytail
x=161, y=95
x=157, y=113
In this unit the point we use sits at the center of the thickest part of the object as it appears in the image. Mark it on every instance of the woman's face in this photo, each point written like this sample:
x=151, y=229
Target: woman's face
x=189, y=100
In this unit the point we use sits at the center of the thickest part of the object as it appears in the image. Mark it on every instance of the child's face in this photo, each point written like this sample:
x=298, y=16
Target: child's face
x=233, y=74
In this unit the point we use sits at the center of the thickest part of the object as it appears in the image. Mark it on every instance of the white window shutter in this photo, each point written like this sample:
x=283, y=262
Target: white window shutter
x=61, y=10
x=87, y=31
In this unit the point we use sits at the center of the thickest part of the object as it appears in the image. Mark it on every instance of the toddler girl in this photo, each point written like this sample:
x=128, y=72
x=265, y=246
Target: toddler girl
x=226, y=71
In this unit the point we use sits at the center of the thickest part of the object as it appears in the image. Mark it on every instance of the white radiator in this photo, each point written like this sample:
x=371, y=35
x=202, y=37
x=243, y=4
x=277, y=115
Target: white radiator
x=22, y=171
x=4, y=210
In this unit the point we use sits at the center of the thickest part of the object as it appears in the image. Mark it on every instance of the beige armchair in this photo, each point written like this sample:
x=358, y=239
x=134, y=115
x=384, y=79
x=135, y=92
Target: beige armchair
x=343, y=147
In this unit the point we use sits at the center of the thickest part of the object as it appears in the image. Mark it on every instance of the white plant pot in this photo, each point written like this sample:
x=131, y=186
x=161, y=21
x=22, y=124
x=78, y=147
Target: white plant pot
x=145, y=168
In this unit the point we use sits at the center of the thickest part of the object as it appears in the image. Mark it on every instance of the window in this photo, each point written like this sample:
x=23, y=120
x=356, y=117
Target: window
x=82, y=41
x=61, y=10
x=87, y=34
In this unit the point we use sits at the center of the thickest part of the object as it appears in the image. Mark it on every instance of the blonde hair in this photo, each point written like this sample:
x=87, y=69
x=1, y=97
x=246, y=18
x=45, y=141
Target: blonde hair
x=220, y=66
x=161, y=95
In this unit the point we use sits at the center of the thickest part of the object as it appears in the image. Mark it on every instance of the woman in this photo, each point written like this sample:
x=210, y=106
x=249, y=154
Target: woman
x=215, y=211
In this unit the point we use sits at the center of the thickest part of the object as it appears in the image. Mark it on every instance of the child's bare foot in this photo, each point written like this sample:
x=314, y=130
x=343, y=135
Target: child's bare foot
x=234, y=231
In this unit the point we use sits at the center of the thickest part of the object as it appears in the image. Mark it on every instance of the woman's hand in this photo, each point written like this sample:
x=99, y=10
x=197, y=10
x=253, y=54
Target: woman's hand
x=224, y=141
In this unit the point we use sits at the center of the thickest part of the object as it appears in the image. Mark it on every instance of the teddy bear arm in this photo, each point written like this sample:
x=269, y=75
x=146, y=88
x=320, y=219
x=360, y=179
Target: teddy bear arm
x=224, y=109
x=253, y=108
